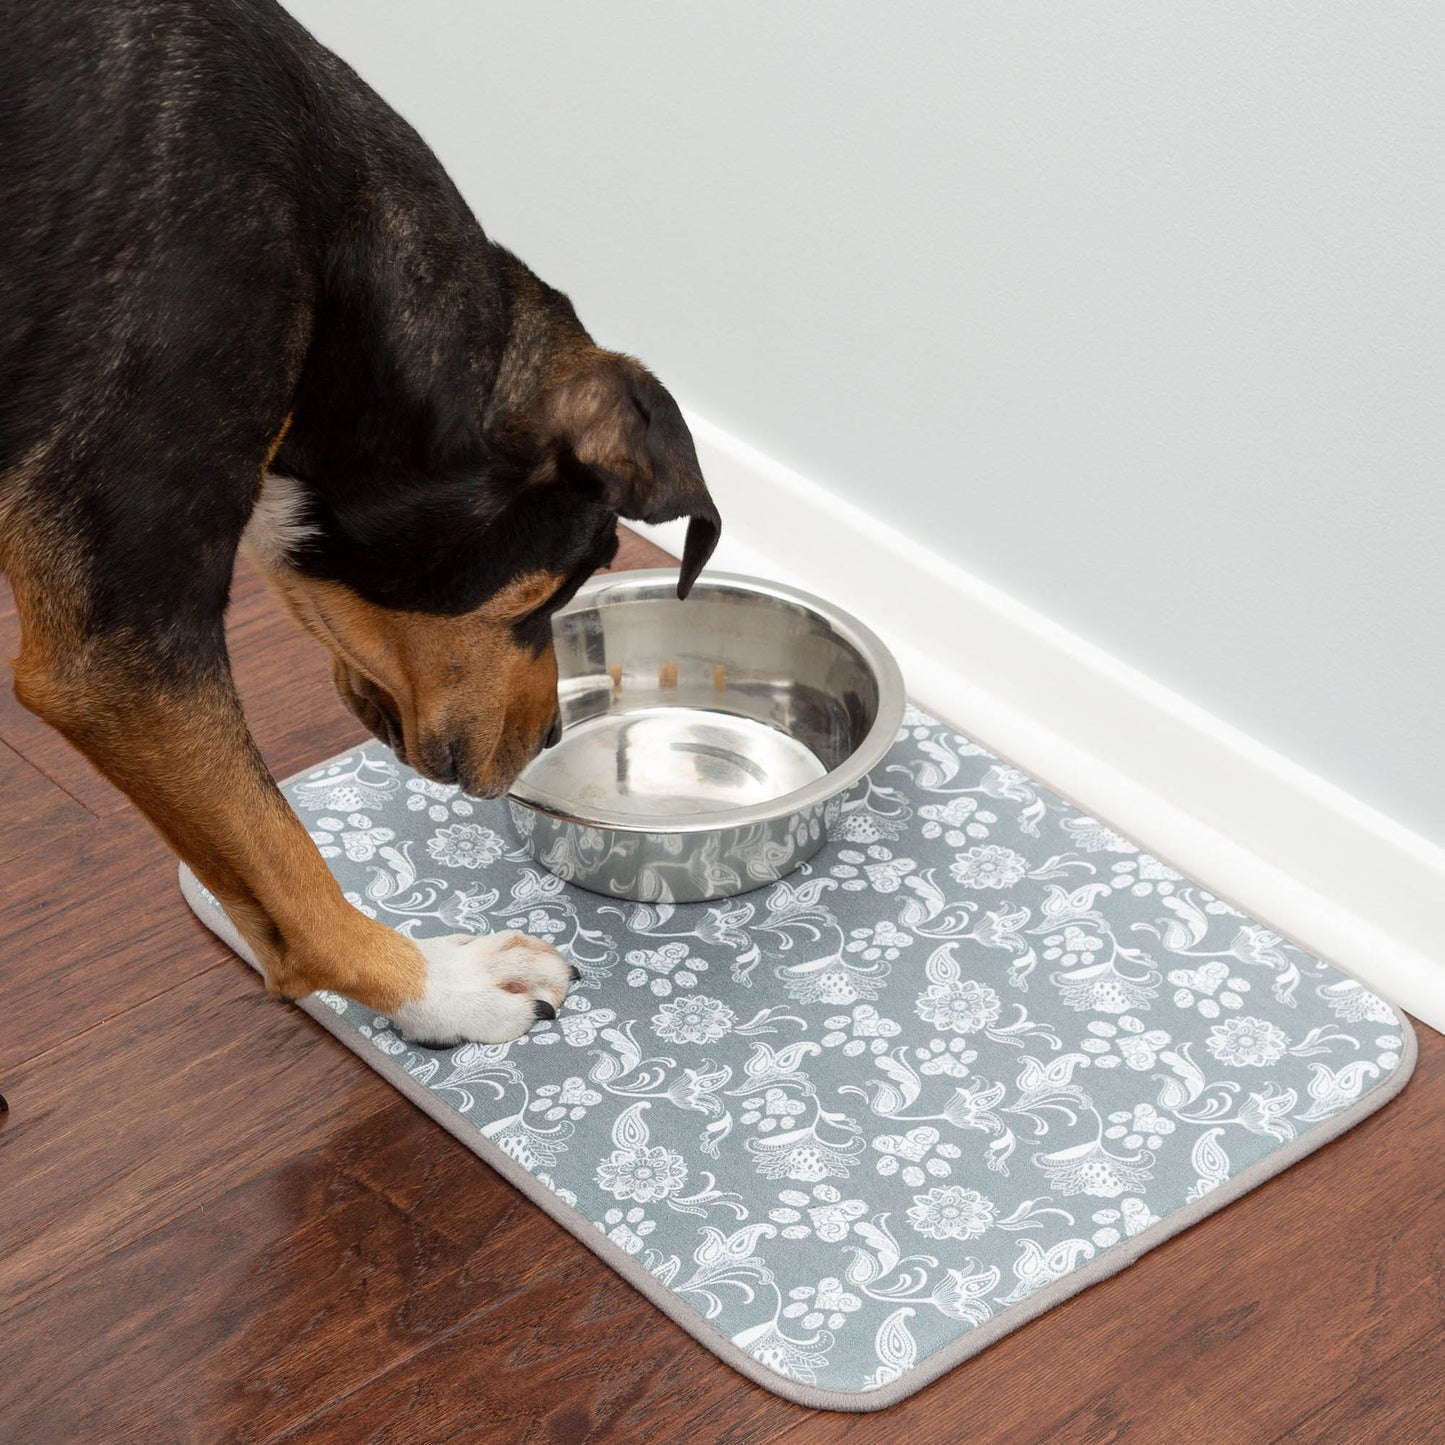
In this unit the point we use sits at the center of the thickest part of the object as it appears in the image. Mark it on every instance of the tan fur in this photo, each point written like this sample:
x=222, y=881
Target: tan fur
x=276, y=442
x=185, y=758
x=48, y=573
x=446, y=678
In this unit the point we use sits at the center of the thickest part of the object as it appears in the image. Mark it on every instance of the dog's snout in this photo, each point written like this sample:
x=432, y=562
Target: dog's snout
x=554, y=733
x=440, y=757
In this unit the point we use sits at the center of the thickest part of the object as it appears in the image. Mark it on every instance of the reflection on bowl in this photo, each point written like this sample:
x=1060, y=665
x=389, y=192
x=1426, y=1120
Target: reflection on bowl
x=707, y=744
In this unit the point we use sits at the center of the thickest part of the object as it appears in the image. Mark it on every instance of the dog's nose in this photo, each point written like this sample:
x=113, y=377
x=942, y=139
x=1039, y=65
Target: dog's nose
x=441, y=762
x=554, y=733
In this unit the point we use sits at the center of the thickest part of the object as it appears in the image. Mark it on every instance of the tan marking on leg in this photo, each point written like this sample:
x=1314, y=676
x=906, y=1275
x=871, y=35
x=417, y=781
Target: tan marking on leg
x=186, y=759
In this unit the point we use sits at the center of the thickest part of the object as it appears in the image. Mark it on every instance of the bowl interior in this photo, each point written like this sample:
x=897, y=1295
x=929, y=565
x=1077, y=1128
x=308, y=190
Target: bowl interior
x=733, y=699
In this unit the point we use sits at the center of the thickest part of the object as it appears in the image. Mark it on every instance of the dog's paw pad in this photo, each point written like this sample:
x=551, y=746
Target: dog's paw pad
x=484, y=988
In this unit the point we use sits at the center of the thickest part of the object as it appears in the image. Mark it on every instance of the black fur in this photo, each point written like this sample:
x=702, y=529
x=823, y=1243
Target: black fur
x=209, y=225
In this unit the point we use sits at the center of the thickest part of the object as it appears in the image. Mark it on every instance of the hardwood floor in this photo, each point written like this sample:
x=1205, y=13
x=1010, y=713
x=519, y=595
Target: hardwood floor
x=216, y=1224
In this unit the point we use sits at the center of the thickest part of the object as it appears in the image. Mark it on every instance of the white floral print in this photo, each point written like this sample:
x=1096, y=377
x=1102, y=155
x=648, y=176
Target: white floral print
x=1092, y=1169
x=1354, y=1003
x=645, y=1174
x=1247, y=1042
x=465, y=845
x=990, y=866
x=693, y=1020
x=978, y=1042
x=951, y=1212
x=964, y=1007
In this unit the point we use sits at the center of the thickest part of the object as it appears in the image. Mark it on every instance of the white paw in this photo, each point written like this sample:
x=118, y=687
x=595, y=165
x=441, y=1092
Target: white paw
x=485, y=988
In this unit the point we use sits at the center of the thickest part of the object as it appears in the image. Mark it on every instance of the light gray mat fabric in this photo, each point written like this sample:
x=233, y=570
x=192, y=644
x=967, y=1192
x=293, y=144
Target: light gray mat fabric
x=850, y=1128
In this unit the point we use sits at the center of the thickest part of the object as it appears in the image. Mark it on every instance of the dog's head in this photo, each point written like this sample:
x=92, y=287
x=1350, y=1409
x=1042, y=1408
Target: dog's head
x=435, y=594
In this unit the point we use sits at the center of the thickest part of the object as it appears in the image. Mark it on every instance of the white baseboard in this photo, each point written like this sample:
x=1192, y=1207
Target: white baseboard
x=1290, y=848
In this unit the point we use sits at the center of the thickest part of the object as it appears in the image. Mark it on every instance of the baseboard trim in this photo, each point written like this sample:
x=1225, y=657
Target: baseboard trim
x=1292, y=849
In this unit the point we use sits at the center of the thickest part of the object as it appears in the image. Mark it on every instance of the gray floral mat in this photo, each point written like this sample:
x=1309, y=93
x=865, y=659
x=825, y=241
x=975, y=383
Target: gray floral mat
x=850, y=1128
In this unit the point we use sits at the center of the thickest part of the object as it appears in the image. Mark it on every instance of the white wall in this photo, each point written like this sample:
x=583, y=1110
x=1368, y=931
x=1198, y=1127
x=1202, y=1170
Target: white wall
x=1133, y=310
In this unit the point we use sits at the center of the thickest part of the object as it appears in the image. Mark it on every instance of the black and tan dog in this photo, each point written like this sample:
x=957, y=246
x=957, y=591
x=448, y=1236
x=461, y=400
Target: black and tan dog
x=238, y=295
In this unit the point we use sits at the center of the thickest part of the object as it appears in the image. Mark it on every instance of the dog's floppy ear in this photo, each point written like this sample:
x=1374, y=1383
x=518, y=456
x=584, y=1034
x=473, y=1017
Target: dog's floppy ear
x=615, y=421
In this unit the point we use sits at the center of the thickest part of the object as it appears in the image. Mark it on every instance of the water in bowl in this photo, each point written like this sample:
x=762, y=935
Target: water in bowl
x=670, y=761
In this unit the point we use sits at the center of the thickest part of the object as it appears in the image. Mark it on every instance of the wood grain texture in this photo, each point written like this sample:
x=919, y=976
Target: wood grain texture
x=216, y=1224
x=34, y=812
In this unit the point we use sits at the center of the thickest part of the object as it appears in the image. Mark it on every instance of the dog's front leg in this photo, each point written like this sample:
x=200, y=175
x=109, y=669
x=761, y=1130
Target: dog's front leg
x=180, y=748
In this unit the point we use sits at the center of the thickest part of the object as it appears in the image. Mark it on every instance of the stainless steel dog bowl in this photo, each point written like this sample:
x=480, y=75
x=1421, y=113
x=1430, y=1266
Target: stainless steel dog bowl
x=707, y=745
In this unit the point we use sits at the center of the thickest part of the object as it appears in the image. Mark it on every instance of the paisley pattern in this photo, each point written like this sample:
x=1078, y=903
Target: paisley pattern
x=977, y=1043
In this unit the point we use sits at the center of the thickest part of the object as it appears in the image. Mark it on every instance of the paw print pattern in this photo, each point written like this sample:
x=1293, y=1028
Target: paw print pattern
x=570, y=1099
x=825, y=1214
x=908, y=1155
x=884, y=940
x=959, y=821
x=439, y=801
x=877, y=869
x=980, y=1040
x=868, y=1031
x=770, y=1109
x=1074, y=947
x=952, y=1058
x=1127, y=1042
x=1208, y=988
x=1130, y=1218
x=1143, y=876
x=661, y=970
x=1141, y=1128
x=827, y=1302
x=359, y=840
x=629, y=1230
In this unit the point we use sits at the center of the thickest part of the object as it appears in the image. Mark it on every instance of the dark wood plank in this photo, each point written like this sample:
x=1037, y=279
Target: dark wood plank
x=158, y=1110
x=1404, y=1404
x=249, y=1316
x=36, y=813
x=592, y=1365
x=89, y=928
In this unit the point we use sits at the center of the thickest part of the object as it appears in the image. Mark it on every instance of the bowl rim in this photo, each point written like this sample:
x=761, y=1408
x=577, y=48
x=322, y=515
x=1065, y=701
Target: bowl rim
x=866, y=756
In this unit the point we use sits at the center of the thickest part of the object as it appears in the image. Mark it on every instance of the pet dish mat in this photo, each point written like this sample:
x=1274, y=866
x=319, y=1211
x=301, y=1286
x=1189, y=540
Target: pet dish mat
x=852, y=1127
